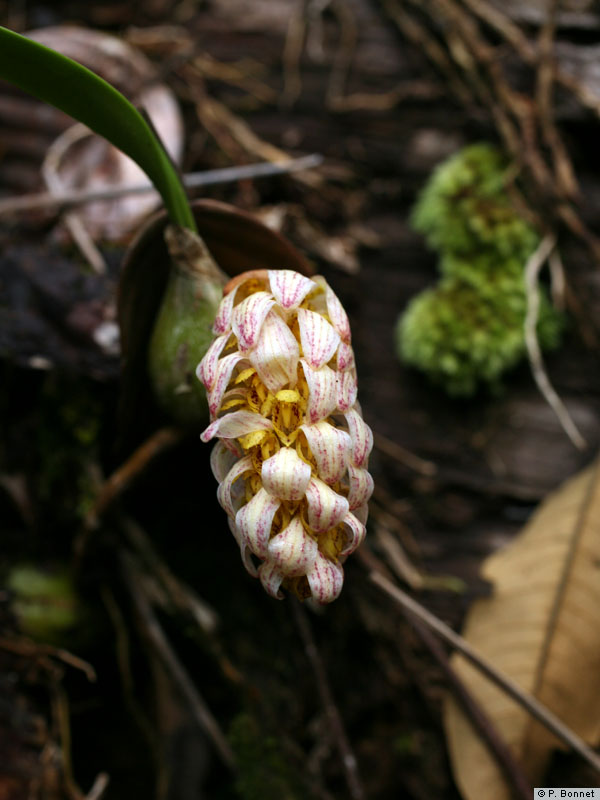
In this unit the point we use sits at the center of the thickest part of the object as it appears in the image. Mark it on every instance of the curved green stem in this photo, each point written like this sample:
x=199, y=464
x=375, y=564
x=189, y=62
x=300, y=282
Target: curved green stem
x=77, y=91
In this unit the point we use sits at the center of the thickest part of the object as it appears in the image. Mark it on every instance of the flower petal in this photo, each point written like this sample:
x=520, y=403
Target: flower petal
x=244, y=549
x=337, y=315
x=206, y=370
x=222, y=323
x=289, y=288
x=293, y=551
x=362, y=513
x=322, y=394
x=346, y=390
x=222, y=460
x=325, y=579
x=331, y=449
x=285, y=475
x=271, y=579
x=224, y=492
x=362, y=438
x=345, y=357
x=224, y=371
x=276, y=354
x=248, y=318
x=236, y=424
x=319, y=339
x=254, y=521
x=326, y=508
x=355, y=534
x=361, y=486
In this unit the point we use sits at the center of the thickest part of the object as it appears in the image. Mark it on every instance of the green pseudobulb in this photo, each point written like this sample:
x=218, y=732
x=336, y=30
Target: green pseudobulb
x=469, y=329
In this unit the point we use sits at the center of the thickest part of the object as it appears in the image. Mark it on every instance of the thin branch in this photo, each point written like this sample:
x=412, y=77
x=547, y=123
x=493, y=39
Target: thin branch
x=341, y=739
x=541, y=712
x=404, y=456
x=99, y=786
x=193, y=180
x=173, y=666
x=532, y=271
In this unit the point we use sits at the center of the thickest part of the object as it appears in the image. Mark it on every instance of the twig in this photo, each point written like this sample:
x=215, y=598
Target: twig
x=404, y=456
x=50, y=168
x=193, y=180
x=478, y=717
x=181, y=679
x=532, y=271
x=99, y=786
x=341, y=739
x=541, y=712
x=130, y=470
x=25, y=647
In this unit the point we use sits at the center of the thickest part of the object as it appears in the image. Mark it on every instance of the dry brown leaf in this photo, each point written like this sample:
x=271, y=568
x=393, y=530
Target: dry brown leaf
x=541, y=627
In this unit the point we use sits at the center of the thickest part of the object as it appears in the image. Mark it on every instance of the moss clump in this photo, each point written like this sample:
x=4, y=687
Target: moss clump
x=462, y=338
x=469, y=329
x=44, y=602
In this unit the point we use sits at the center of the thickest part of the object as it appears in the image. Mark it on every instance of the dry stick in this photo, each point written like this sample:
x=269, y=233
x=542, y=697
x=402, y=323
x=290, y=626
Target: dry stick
x=531, y=704
x=341, y=739
x=51, y=176
x=30, y=649
x=404, y=456
x=563, y=170
x=131, y=469
x=532, y=271
x=478, y=717
x=166, y=654
x=193, y=180
x=99, y=786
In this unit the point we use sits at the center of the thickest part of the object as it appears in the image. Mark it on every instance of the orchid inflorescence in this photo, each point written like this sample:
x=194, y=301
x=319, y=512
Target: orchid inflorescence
x=293, y=448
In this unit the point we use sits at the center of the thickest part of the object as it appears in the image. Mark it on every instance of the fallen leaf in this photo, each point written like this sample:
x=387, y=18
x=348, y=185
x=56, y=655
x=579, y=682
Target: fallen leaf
x=540, y=627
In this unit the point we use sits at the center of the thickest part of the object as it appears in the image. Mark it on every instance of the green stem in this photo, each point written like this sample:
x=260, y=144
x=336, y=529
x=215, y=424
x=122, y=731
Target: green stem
x=77, y=91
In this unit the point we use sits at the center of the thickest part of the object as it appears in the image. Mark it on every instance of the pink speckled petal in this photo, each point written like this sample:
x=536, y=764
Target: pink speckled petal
x=289, y=288
x=322, y=392
x=331, y=450
x=222, y=323
x=271, y=579
x=293, y=551
x=236, y=424
x=254, y=521
x=362, y=438
x=224, y=492
x=207, y=368
x=355, y=534
x=337, y=315
x=325, y=579
x=222, y=460
x=345, y=357
x=361, y=486
x=346, y=390
x=248, y=319
x=326, y=508
x=244, y=549
x=285, y=475
x=318, y=338
x=224, y=372
x=276, y=354
x=362, y=513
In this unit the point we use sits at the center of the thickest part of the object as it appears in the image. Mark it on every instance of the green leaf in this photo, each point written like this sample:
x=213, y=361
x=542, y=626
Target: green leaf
x=77, y=91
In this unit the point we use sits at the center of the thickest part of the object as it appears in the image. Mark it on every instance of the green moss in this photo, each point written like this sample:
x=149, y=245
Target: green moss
x=264, y=773
x=44, y=602
x=460, y=337
x=469, y=329
x=465, y=206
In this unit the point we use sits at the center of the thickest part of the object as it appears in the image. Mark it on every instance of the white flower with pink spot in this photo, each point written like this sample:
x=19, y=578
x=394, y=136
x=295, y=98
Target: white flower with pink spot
x=293, y=448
